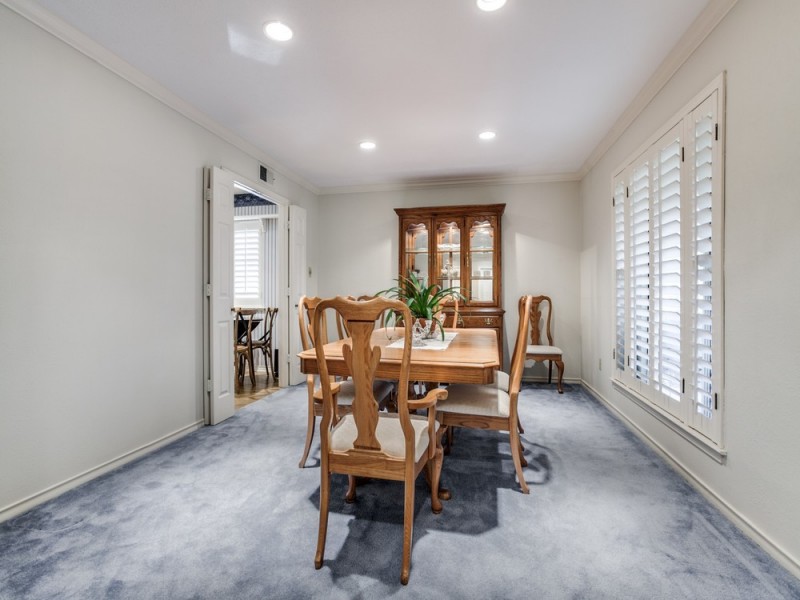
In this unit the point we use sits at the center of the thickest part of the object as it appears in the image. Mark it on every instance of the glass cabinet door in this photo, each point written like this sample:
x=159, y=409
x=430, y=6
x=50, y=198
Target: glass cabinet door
x=447, y=259
x=481, y=261
x=415, y=254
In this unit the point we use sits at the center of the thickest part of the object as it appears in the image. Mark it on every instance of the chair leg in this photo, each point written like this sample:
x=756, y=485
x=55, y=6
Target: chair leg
x=408, y=530
x=252, y=368
x=560, y=366
x=324, y=495
x=350, y=496
x=516, y=453
x=268, y=364
x=549, y=371
x=435, y=468
x=309, y=432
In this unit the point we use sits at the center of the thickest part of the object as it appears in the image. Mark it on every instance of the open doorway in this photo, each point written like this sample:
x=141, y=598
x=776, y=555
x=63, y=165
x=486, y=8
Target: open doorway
x=256, y=257
x=220, y=186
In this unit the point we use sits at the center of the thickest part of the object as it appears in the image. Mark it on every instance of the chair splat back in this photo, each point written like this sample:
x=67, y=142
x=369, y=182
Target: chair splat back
x=536, y=318
x=362, y=359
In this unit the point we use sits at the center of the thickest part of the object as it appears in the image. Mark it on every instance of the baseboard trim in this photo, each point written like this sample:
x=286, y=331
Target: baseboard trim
x=771, y=547
x=543, y=379
x=24, y=505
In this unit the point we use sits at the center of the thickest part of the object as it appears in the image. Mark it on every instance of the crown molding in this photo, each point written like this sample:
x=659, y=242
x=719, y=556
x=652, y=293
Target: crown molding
x=56, y=27
x=700, y=29
x=400, y=186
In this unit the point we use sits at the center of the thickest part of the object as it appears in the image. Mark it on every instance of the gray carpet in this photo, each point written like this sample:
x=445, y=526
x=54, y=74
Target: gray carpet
x=226, y=513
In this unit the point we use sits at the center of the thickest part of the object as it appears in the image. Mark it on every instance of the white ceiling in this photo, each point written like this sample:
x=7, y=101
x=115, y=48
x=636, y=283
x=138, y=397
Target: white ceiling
x=419, y=77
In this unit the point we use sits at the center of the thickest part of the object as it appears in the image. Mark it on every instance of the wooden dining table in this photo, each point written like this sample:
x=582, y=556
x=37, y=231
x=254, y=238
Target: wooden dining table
x=471, y=357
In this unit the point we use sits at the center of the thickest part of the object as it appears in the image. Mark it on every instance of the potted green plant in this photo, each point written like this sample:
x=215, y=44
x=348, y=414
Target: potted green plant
x=424, y=301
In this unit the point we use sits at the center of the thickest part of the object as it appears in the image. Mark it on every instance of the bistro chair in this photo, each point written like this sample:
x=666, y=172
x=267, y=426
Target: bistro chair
x=246, y=321
x=367, y=442
x=344, y=391
x=539, y=351
x=493, y=406
x=264, y=342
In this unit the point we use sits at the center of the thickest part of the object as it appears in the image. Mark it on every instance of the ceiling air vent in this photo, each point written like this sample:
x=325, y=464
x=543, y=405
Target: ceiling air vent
x=266, y=175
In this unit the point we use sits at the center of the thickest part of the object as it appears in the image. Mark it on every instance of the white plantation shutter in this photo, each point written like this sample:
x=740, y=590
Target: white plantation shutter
x=666, y=259
x=247, y=263
x=703, y=158
x=668, y=270
x=619, y=269
x=639, y=269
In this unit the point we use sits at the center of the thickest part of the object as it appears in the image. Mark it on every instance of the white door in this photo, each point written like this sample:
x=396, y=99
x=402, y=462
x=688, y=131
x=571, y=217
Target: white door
x=297, y=286
x=219, y=295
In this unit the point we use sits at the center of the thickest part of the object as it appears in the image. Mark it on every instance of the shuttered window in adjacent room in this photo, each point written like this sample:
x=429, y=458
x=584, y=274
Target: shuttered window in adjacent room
x=247, y=263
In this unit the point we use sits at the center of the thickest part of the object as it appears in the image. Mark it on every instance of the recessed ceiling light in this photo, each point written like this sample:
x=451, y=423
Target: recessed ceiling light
x=275, y=30
x=487, y=135
x=367, y=145
x=490, y=5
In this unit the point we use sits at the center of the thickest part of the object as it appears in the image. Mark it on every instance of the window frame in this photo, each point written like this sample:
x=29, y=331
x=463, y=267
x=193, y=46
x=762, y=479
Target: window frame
x=681, y=416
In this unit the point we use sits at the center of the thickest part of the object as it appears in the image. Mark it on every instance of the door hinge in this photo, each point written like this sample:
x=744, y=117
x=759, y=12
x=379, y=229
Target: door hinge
x=716, y=401
x=627, y=192
x=613, y=354
x=209, y=387
x=716, y=131
x=207, y=194
x=208, y=290
x=683, y=386
x=613, y=202
x=683, y=154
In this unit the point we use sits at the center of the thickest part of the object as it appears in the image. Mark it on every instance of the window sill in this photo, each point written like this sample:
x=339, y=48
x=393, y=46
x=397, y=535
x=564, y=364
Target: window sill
x=707, y=447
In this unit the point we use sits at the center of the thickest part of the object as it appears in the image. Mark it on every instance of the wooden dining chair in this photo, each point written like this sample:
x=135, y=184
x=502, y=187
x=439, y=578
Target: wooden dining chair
x=344, y=390
x=493, y=406
x=450, y=319
x=246, y=321
x=264, y=341
x=539, y=351
x=367, y=442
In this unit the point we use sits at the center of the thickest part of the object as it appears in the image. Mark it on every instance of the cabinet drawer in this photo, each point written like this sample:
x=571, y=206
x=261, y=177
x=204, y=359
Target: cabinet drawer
x=480, y=321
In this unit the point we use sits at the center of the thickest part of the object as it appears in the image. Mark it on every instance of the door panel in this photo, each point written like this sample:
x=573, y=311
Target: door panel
x=220, y=301
x=297, y=285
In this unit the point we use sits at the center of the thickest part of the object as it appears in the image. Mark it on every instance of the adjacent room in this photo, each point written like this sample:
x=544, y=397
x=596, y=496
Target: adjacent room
x=464, y=298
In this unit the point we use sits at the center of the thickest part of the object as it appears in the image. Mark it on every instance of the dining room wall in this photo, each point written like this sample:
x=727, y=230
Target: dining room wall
x=101, y=264
x=758, y=48
x=541, y=248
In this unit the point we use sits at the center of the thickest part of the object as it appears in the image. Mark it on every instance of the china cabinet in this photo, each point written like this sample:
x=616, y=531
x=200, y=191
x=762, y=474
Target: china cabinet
x=459, y=247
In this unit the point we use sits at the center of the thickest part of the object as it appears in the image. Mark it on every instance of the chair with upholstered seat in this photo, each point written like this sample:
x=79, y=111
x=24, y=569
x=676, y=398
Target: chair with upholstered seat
x=493, y=406
x=367, y=442
x=343, y=390
x=539, y=351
